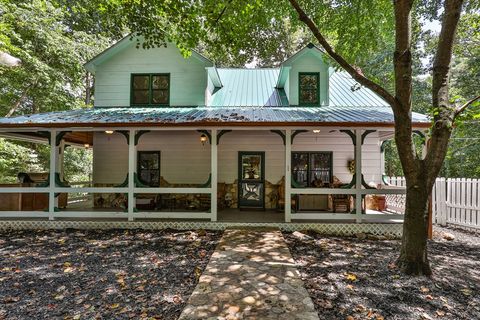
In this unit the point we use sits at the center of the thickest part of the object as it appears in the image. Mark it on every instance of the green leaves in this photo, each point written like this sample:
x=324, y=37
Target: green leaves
x=51, y=76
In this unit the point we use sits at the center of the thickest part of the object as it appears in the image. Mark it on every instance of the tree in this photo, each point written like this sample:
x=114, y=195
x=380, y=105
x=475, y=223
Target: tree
x=53, y=41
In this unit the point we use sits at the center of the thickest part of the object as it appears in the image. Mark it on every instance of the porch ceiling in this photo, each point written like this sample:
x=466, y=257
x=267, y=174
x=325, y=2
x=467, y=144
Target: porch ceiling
x=217, y=116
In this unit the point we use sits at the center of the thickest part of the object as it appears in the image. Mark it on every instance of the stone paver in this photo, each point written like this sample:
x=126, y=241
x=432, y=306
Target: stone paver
x=251, y=275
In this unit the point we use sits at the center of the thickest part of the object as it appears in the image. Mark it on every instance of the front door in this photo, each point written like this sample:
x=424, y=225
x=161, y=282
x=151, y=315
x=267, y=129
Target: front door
x=251, y=180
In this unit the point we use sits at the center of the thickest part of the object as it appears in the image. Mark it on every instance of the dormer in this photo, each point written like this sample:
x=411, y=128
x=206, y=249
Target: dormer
x=127, y=76
x=305, y=77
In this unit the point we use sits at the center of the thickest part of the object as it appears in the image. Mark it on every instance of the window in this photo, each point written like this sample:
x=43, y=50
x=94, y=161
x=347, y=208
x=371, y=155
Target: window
x=148, y=168
x=308, y=84
x=150, y=89
x=312, y=169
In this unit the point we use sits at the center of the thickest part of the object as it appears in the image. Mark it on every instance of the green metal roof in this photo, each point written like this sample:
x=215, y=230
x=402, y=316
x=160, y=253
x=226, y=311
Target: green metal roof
x=249, y=88
x=185, y=116
x=257, y=88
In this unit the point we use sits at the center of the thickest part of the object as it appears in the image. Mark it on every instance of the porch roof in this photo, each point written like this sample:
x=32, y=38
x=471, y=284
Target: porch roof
x=216, y=116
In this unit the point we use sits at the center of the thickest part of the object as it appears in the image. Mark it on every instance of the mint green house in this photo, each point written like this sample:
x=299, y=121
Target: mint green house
x=178, y=139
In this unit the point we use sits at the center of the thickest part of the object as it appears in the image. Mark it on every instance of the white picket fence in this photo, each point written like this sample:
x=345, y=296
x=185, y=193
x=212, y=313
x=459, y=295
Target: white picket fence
x=454, y=201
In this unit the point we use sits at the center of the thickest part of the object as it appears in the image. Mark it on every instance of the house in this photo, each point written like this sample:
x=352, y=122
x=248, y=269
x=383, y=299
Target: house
x=178, y=138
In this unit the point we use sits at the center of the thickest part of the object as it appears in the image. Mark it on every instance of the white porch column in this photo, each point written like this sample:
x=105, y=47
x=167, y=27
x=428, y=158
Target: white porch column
x=53, y=168
x=131, y=173
x=288, y=175
x=358, y=175
x=214, y=173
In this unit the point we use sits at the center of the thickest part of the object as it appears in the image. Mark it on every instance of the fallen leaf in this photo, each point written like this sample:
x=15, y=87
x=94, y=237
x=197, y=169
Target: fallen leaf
x=466, y=291
x=425, y=316
x=350, y=276
x=440, y=313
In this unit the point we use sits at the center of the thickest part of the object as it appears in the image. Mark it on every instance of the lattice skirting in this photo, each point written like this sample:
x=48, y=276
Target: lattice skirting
x=390, y=229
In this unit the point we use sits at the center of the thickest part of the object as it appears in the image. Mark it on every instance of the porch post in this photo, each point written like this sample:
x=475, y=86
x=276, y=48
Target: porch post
x=288, y=175
x=358, y=175
x=53, y=167
x=214, y=173
x=131, y=173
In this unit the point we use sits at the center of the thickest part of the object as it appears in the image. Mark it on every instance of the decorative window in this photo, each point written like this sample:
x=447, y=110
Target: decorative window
x=308, y=88
x=148, y=167
x=312, y=169
x=150, y=89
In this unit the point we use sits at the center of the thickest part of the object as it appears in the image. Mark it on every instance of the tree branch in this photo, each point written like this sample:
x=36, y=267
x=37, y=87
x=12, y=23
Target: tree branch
x=443, y=56
x=340, y=60
x=462, y=108
x=403, y=86
x=444, y=116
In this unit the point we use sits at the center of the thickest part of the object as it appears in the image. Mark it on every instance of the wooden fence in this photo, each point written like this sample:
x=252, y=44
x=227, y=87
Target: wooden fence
x=454, y=201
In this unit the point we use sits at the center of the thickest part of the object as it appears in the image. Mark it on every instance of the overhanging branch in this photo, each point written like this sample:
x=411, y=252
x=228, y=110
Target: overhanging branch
x=340, y=60
x=463, y=107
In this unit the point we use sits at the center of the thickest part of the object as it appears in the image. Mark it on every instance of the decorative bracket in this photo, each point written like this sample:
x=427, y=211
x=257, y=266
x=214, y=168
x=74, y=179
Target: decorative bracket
x=139, y=134
x=220, y=134
x=207, y=184
x=382, y=146
x=126, y=134
x=59, y=182
x=352, y=136
x=280, y=133
x=60, y=136
x=297, y=132
x=366, y=133
x=46, y=134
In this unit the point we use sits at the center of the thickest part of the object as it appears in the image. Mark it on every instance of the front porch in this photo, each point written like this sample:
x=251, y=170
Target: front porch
x=211, y=161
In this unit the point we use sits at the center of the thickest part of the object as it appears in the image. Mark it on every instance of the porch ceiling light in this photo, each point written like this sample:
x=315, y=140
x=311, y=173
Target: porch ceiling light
x=316, y=130
x=203, y=138
x=86, y=145
x=109, y=131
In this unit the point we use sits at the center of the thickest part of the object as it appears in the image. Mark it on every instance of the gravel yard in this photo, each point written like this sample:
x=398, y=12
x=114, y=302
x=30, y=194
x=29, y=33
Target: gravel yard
x=105, y=274
x=349, y=278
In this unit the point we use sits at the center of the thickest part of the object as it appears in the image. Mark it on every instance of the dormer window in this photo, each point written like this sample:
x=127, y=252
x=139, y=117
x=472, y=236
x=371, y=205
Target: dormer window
x=150, y=89
x=309, y=91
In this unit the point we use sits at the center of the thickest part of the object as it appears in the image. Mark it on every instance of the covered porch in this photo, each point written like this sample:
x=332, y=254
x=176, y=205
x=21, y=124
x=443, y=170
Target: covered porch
x=170, y=201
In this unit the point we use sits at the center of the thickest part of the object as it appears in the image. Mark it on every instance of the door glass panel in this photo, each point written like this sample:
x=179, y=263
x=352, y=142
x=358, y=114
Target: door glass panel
x=251, y=167
x=149, y=161
x=320, y=167
x=251, y=191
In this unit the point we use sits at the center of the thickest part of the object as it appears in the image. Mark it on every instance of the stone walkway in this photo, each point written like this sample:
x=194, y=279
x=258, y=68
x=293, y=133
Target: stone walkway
x=251, y=275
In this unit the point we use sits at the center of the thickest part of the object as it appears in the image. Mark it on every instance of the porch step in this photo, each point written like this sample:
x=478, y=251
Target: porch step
x=251, y=275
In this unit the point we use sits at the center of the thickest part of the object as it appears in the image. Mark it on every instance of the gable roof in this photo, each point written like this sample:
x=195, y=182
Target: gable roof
x=124, y=43
x=287, y=64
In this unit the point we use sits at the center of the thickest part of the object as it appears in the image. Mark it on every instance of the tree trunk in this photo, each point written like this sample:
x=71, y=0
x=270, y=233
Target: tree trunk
x=413, y=258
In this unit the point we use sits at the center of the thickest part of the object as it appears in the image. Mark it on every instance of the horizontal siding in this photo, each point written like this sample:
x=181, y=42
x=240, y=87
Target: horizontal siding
x=110, y=158
x=188, y=77
x=185, y=160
